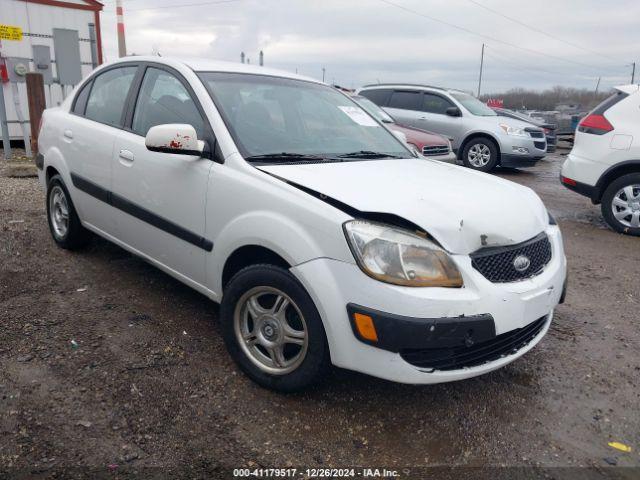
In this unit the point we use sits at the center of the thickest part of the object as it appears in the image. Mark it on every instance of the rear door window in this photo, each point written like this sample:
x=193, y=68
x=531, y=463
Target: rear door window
x=379, y=96
x=406, y=100
x=108, y=95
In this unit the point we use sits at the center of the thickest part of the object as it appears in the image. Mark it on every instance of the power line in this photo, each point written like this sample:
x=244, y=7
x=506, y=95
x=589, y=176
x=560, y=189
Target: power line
x=535, y=29
x=514, y=66
x=535, y=72
x=509, y=60
x=497, y=40
x=180, y=5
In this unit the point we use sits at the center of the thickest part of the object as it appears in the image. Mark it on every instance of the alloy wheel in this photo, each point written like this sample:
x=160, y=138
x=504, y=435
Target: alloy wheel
x=271, y=330
x=479, y=155
x=59, y=211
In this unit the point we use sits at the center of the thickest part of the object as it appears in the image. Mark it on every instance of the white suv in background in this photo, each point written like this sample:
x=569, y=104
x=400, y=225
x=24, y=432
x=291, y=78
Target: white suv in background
x=604, y=163
x=481, y=138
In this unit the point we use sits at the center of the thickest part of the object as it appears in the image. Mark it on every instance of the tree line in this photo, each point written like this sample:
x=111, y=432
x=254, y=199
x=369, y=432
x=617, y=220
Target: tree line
x=521, y=98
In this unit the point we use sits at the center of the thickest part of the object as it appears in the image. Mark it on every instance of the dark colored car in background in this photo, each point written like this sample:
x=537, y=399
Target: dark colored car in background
x=549, y=128
x=427, y=143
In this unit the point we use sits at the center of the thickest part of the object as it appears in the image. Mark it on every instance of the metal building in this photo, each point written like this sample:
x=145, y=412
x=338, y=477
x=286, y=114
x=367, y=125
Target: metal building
x=58, y=38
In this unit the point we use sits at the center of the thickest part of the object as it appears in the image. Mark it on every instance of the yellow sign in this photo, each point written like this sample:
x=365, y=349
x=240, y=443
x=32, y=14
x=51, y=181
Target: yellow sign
x=10, y=32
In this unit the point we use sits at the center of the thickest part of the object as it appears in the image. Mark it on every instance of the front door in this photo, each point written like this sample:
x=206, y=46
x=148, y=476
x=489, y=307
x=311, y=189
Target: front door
x=435, y=119
x=160, y=198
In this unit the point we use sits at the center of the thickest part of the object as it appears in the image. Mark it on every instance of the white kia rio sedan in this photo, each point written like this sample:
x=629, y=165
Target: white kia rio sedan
x=322, y=236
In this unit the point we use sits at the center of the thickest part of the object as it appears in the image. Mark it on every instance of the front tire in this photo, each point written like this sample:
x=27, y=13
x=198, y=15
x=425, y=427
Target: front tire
x=621, y=204
x=480, y=154
x=273, y=330
x=64, y=224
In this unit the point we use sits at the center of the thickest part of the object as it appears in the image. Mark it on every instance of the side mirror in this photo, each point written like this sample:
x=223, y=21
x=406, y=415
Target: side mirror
x=176, y=138
x=453, y=112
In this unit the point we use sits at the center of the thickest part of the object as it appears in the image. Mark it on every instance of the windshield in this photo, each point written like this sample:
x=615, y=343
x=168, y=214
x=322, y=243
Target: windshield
x=278, y=119
x=473, y=105
x=374, y=110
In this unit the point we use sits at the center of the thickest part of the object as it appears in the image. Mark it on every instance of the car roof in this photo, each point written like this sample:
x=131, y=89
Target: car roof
x=410, y=86
x=208, y=65
x=629, y=89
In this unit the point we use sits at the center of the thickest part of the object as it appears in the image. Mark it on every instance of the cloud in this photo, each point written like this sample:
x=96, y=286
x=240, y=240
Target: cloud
x=362, y=41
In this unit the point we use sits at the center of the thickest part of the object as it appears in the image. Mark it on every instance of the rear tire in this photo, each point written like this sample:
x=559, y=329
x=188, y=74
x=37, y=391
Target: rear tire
x=64, y=224
x=621, y=204
x=480, y=154
x=273, y=330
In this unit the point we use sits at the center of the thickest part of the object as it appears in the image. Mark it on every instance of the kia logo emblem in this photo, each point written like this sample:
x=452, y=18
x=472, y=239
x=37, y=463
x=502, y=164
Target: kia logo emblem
x=521, y=263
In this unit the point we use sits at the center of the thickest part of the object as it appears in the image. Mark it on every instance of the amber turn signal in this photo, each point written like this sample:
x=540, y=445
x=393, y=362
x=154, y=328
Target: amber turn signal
x=365, y=326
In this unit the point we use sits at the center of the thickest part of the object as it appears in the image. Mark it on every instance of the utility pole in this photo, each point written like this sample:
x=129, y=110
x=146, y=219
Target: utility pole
x=122, y=45
x=633, y=73
x=597, y=85
x=481, y=65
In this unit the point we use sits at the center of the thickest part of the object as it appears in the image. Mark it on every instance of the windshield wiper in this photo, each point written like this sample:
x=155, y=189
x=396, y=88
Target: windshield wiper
x=367, y=154
x=283, y=156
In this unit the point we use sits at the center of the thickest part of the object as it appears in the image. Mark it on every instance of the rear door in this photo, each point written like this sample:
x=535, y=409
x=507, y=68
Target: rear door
x=161, y=197
x=88, y=136
x=405, y=107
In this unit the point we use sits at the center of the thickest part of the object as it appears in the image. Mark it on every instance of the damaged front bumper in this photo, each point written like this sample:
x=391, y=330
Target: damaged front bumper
x=418, y=325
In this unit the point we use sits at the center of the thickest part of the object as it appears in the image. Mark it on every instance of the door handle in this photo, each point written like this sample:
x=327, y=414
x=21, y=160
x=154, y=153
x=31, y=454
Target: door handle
x=126, y=155
x=68, y=134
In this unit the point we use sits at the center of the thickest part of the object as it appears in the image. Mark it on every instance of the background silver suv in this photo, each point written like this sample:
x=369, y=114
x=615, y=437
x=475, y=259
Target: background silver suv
x=481, y=138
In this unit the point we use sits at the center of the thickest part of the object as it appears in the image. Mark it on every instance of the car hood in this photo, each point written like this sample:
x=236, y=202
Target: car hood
x=462, y=209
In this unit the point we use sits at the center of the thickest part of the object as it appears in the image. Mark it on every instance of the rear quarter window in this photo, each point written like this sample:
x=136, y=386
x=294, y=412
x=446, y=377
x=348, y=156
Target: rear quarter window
x=81, y=99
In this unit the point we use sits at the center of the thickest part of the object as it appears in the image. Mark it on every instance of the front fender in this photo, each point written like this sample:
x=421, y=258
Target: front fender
x=294, y=241
x=478, y=133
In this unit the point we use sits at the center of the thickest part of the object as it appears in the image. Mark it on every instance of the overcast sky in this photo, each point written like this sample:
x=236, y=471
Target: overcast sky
x=366, y=41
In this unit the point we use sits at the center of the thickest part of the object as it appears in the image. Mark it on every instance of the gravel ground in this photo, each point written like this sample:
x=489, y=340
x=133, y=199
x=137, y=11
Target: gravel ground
x=109, y=364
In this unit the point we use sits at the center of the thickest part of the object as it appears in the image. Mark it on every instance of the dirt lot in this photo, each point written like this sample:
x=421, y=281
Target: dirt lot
x=106, y=361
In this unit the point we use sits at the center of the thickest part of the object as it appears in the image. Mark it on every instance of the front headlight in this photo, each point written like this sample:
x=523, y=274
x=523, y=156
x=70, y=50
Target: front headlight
x=399, y=256
x=516, y=132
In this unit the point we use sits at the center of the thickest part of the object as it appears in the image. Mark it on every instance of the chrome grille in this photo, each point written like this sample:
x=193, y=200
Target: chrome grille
x=435, y=150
